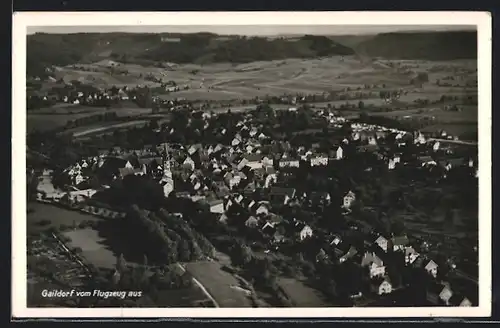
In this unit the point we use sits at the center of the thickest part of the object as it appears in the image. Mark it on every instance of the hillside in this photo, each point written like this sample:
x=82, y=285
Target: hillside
x=421, y=45
x=45, y=50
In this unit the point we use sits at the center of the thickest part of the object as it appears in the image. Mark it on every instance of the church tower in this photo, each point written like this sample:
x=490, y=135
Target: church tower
x=167, y=181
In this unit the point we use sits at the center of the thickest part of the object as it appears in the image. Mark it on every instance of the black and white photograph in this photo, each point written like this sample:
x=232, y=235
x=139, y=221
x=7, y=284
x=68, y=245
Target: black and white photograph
x=252, y=162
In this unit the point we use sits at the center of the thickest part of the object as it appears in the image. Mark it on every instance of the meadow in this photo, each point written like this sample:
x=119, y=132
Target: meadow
x=226, y=82
x=220, y=284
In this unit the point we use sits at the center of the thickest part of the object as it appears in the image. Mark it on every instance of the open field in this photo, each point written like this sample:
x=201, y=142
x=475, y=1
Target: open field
x=92, y=247
x=220, y=284
x=300, y=294
x=228, y=81
x=223, y=82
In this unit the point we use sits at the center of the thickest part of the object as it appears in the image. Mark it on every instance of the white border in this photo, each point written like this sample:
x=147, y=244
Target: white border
x=22, y=20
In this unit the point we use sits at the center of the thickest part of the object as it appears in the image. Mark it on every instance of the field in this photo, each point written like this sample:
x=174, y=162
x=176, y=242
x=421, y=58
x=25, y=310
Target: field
x=220, y=284
x=92, y=247
x=300, y=294
x=224, y=82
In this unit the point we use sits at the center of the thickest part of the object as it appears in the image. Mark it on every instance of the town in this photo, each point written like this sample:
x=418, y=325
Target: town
x=276, y=201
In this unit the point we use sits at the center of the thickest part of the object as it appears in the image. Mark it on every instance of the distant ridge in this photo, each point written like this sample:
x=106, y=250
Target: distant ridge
x=203, y=48
x=447, y=45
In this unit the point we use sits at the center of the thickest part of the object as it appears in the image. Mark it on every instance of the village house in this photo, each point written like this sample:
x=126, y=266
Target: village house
x=254, y=161
x=353, y=251
x=411, y=255
x=381, y=286
x=320, y=160
x=262, y=209
x=216, y=206
x=348, y=199
x=459, y=300
x=289, y=162
x=281, y=195
x=305, y=232
x=432, y=268
x=399, y=243
x=439, y=293
x=189, y=163
x=382, y=243
x=252, y=222
x=374, y=263
x=435, y=146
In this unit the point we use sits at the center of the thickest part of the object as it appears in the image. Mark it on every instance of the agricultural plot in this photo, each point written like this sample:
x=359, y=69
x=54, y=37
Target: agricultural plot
x=300, y=294
x=93, y=249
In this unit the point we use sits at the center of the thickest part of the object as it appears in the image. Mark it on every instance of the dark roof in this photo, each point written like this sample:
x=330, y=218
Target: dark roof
x=280, y=191
x=400, y=240
x=254, y=157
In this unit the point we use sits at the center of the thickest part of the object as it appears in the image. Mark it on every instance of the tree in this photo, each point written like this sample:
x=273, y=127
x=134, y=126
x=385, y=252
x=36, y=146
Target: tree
x=145, y=260
x=361, y=104
x=121, y=264
x=184, y=251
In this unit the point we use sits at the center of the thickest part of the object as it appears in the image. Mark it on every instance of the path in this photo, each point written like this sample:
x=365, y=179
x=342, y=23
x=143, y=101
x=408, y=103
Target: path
x=199, y=284
x=458, y=142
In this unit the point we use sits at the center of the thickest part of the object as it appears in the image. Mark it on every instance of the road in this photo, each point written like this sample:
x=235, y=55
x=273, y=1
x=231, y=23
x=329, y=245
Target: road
x=458, y=142
x=104, y=128
x=199, y=284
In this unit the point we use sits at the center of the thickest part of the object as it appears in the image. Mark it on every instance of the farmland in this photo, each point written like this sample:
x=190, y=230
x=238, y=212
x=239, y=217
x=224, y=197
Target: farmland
x=232, y=83
x=92, y=247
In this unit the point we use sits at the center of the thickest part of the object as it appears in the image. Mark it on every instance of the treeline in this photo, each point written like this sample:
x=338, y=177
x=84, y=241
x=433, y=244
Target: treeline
x=168, y=239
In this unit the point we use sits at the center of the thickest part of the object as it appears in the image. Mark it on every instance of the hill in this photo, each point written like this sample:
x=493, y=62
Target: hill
x=45, y=50
x=421, y=45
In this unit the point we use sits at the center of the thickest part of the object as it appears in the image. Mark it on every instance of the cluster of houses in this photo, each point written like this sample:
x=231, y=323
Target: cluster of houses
x=242, y=182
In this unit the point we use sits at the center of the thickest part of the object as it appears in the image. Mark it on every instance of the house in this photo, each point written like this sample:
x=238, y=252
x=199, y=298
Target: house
x=216, y=206
x=189, y=163
x=236, y=141
x=349, y=198
x=382, y=243
x=289, y=162
x=432, y=268
x=381, y=286
x=399, y=243
x=321, y=256
x=459, y=300
x=262, y=209
x=305, y=232
x=391, y=165
x=374, y=263
x=281, y=195
x=335, y=240
x=320, y=160
x=426, y=161
x=339, y=153
x=254, y=161
x=439, y=293
x=252, y=222
x=267, y=161
x=223, y=218
x=411, y=255
x=350, y=253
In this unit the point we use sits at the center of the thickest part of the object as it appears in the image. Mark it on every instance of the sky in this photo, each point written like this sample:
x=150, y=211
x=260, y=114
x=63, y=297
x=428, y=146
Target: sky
x=257, y=30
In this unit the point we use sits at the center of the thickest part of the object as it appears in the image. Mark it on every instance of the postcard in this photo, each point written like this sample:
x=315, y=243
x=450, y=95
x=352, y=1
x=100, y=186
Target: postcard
x=251, y=165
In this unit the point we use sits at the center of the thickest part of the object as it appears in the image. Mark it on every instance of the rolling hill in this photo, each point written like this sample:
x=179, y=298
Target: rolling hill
x=45, y=50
